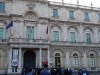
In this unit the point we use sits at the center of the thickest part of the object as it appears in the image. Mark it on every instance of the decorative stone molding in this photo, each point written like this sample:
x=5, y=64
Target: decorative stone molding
x=31, y=5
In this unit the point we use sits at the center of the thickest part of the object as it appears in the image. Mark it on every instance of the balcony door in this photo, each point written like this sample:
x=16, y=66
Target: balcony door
x=29, y=59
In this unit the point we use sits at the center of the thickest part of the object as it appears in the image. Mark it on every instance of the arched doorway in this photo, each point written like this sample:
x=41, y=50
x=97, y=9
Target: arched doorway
x=29, y=59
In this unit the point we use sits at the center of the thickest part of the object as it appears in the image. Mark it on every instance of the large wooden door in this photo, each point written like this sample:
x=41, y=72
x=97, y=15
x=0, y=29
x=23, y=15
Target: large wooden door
x=29, y=59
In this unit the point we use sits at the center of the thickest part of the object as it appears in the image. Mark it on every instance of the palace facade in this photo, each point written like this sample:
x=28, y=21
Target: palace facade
x=34, y=33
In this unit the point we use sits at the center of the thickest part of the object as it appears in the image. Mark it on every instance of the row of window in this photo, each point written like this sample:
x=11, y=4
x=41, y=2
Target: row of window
x=30, y=35
x=55, y=13
x=75, y=60
x=72, y=37
x=72, y=15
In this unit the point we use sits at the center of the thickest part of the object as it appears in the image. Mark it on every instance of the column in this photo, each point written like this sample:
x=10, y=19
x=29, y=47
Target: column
x=48, y=57
x=64, y=33
x=84, y=60
x=19, y=66
x=10, y=60
x=99, y=59
x=95, y=35
x=81, y=34
x=67, y=60
x=10, y=57
x=40, y=57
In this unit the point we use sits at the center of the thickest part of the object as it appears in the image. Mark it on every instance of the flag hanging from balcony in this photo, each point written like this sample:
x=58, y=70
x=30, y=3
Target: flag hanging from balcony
x=9, y=25
x=47, y=30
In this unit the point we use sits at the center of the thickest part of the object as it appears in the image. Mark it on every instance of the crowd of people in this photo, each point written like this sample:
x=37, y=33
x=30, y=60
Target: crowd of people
x=45, y=71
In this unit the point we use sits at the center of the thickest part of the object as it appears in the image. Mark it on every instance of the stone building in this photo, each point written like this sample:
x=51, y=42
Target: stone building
x=34, y=33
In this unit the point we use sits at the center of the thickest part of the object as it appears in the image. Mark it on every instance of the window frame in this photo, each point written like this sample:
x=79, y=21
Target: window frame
x=71, y=40
x=57, y=60
x=92, y=60
x=88, y=39
x=75, y=60
x=55, y=12
x=86, y=16
x=30, y=34
x=71, y=15
x=56, y=39
x=2, y=6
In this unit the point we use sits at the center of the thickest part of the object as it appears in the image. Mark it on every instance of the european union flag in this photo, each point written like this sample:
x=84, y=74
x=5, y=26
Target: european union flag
x=10, y=25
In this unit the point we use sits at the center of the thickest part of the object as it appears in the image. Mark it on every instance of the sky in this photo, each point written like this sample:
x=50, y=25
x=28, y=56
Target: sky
x=96, y=3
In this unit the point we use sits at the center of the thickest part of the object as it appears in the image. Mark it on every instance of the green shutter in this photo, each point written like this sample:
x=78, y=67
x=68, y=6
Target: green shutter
x=2, y=6
x=55, y=35
x=71, y=13
x=30, y=32
x=1, y=33
x=86, y=14
x=55, y=12
x=72, y=37
x=88, y=37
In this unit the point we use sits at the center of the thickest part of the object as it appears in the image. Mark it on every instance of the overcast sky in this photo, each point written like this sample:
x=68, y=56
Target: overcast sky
x=96, y=3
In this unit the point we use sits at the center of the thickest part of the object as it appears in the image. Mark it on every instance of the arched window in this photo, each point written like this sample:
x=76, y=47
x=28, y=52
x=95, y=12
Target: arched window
x=92, y=60
x=75, y=60
x=57, y=60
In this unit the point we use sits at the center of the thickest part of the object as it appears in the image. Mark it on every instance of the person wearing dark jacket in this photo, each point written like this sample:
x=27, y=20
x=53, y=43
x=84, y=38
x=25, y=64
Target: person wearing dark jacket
x=44, y=72
x=23, y=71
x=66, y=71
x=79, y=72
x=70, y=71
x=30, y=72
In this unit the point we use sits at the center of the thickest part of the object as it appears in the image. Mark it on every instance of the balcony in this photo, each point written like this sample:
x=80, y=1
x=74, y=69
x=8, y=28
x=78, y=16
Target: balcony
x=3, y=41
x=68, y=43
x=28, y=41
x=47, y=42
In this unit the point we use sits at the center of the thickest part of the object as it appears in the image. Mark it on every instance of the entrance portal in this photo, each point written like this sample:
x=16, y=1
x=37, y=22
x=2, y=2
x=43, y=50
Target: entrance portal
x=29, y=59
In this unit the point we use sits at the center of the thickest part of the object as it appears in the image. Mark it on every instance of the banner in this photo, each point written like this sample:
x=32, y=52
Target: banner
x=15, y=56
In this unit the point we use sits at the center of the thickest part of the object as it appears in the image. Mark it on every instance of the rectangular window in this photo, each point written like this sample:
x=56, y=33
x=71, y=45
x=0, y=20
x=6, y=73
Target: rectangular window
x=55, y=36
x=99, y=17
x=88, y=38
x=86, y=16
x=30, y=32
x=92, y=62
x=71, y=15
x=55, y=12
x=75, y=62
x=2, y=6
x=72, y=37
x=1, y=33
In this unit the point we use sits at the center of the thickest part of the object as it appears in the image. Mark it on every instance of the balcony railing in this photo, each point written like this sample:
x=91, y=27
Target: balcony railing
x=24, y=40
x=68, y=43
x=46, y=41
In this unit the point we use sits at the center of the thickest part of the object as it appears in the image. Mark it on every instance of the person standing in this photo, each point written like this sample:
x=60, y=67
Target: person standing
x=70, y=71
x=30, y=72
x=66, y=71
x=23, y=71
x=44, y=72
x=79, y=72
